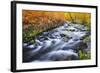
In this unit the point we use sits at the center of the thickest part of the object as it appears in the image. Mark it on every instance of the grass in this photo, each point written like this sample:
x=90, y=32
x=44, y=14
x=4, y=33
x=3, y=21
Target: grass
x=30, y=33
x=84, y=55
x=86, y=39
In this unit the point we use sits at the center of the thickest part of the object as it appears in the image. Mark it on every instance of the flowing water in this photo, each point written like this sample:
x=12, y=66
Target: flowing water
x=58, y=44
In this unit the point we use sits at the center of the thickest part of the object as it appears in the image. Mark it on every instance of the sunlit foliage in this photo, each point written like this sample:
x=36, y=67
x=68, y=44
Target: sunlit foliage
x=76, y=17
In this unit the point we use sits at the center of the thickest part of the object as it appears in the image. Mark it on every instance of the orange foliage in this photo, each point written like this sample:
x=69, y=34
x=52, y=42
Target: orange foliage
x=47, y=19
x=30, y=16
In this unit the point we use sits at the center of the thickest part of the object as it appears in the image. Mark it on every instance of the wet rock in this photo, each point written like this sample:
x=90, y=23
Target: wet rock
x=82, y=46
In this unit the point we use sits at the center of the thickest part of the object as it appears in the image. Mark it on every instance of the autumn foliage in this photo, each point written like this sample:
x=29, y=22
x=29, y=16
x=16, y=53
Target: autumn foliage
x=35, y=22
x=42, y=19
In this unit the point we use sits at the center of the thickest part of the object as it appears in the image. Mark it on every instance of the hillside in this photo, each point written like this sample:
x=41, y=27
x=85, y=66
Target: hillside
x=35, y=22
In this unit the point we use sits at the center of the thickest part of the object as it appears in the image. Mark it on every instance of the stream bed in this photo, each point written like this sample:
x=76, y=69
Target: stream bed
x=59, y=44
